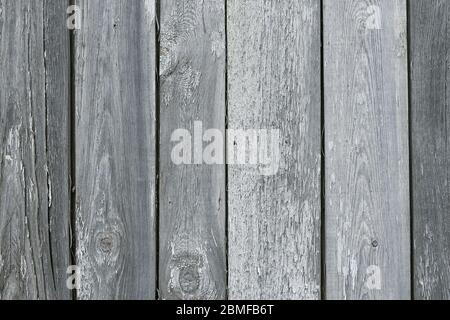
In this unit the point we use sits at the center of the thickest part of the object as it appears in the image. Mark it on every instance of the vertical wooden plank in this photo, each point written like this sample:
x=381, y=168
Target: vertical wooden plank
x=34, y=158
x=274, y=83
x=430, y=115
x=192, y=197
x=57, y=99
x=115, y=149
x=366, y=141
x=57, y=90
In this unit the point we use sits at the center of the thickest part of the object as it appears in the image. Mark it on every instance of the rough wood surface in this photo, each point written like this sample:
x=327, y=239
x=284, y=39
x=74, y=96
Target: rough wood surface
x=34, y=157
x=192, y=197
x=366, y=145
x=264, y=56
x=115, y=149
x=430, y=116
x=274, y=83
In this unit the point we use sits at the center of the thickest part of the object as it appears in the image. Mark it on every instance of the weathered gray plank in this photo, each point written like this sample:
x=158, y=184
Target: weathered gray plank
x=57, y=62
x=115, y=149
x=192, y=197
x=274, y=83
x=34, y=157
x=430, y=115
x=57, y=91
x=366, y=141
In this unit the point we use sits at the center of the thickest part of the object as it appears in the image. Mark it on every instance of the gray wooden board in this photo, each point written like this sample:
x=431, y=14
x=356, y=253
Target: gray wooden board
x=34, y=157
x=430, y=116
x=274, y=83
x=192, y=197
x=367, y=212
x=115, y=149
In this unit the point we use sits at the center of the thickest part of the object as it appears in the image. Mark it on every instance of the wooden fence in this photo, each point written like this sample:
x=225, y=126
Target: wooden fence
x=92, y=205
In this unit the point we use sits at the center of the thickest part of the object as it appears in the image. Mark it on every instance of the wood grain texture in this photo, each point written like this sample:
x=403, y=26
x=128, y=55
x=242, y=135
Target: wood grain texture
x=366, y=140
x=274, y=83
x=115, y=149
x=34, y=157
x=430, y=118
x=192, y=197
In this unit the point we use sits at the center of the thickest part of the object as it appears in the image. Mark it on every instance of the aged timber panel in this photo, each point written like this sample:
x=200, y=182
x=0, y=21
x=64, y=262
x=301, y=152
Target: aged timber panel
x=115, y=149
x=366, y=150
x=34, y=156
x=274, y=81
x=192, y=193
x=430, y=117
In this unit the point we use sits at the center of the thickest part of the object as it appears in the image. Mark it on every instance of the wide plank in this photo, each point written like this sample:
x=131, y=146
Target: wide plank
x=367, y=216
x=274, y=83
x=115, y=74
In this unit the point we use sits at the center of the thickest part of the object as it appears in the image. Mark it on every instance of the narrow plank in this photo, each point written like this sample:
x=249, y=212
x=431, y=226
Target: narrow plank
x=57, y=94
x=57, y=90
x=274, y=83
x=115, y=149
x=34, y=158
x=366, y=143
x=192, y=197
x=430, y=115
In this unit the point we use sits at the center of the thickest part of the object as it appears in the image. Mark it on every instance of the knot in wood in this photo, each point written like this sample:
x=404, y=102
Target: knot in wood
x=189, y=279
x=186, y=273
x=106, y=242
